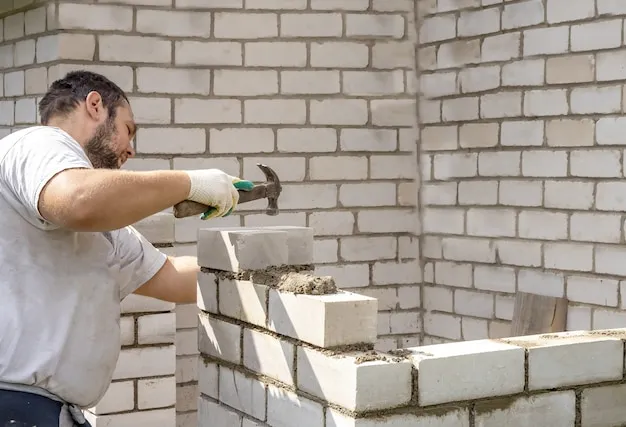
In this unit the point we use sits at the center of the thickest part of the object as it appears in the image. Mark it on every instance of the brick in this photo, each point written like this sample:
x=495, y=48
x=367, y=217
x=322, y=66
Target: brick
x=283, y=407
x=437, y=28
x=442, y=325
x=372, y=83
x=499, y=163
x=450, y=5
x=478, y=22
x=473, y=303
x=456, y=165
x=542, y=283
x=563, y=11
x=569, y=360
x=25, y=53
x=35, y=81
x=332, y=378
x=275, y=111
x=393, y=167
x=479, y=79
x=335, y=54
x=458, y=53
x=276, y=4
x=506, y=104
x=194, y=52
x=570, y=132
x=438, y=220
x=122, y=75
x=269, y=356
x=521, y=193
x=302, y=82
x=605, y=196
x=213, y=413
x=208, y=377
x=468, y=249
x=237, y=140
x=568, y=195
x=596, y=35
x=164, y=417
x=608, y=260
x=550, y=102
x=69, y=46
x=146, y=362
x=522, y=14
x=543, y=225
x=491, y=223
x=568, y=256
x=596, y=100
x=502, y=47
x=370, y=25
x=243, y=300
x=439, y=84
x=544, y=163
x=604, y=290
x=219, y=339
x=339, y=112
x=344, y=167
x=192, y=110
x=393, y=54
x=186, y=342
x=241, y=249
x=120, y=396
x=469, y=365
x=570, y=69
x=596, y=163
x=527, y=72
x=127, y=330
x=139, y=304
x=156, y=392
x=546, y=41
x=460, y=109
x=311, y=140
x=179, y=81
x=14, y=83
x=603, y=405
x=177, y=23
x=95, y=17
x=477, y=192
x=294, y=315
x=440, y=299
x=207, y=4
x=245, y=83
x=230, y=25
x=432, y=418
x=499, y=279
x=611, y=7
x=242, y=393
x=171, y=140
x=430, y=111
x=25, y=110
x=288, y=168
x=472, y=135
x=156, y=328
x=340, y=4
x=578, y=319
x=439, y=193
x=311, y=25
x=521, y=411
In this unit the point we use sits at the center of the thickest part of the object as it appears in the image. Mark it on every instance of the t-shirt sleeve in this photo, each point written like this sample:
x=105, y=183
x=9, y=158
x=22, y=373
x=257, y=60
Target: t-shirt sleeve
x=137, y=258
x=31, y=162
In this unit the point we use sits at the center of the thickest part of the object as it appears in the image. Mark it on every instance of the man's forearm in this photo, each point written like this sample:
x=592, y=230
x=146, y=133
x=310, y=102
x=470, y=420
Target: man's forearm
x=176, y=282
x=103, y=200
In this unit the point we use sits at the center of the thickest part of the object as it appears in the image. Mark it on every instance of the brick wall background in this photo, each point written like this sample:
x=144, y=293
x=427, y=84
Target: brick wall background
x=522, y=161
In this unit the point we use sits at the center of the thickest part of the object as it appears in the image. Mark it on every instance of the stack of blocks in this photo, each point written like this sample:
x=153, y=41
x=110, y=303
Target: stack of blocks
x=274, y=357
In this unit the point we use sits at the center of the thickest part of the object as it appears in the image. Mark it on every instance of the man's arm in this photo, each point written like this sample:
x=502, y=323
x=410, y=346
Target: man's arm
x=104, y=200
x=175, y=282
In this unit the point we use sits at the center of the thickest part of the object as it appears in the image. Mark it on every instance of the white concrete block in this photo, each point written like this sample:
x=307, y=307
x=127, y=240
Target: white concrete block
x=550, y=409
x=232, y=249
x=127, y=330
x=140, y=304
x=299, y=243
x=214, y=414
x=268, y=356
x=146, y=362
x=119, y=397
x=156, y=392
x=243, y=393
x=324, y=320
x=352, y=384
x=243, y=300
x=157, y=328
x=207, y=292
x=571, y=358
x=207, y=378
x=158, y=228
x=603, y=406
x=467, y=370
x=159, y=417
x=287, y=409
x=436, y=418
x=219, y=339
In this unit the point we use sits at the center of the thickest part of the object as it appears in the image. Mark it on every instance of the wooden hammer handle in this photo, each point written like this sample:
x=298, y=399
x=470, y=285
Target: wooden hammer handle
x=190, y=208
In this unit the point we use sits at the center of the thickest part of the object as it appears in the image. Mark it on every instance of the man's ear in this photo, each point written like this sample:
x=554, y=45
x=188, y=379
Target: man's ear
x=94, y=106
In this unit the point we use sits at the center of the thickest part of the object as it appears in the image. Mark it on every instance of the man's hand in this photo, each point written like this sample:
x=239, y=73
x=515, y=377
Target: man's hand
x=214, y=188
x=176, y=281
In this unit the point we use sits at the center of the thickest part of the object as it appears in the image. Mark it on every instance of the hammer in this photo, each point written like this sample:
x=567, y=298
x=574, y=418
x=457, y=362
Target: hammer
x=269, y=190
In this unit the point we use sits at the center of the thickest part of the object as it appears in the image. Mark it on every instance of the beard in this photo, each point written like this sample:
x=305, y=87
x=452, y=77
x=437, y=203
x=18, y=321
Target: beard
x=99, y=149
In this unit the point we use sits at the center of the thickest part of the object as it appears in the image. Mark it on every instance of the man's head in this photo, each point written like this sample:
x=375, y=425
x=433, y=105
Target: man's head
x=96, y=112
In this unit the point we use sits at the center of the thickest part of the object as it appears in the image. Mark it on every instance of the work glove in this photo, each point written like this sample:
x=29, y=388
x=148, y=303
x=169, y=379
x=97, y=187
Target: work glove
x=216, y=189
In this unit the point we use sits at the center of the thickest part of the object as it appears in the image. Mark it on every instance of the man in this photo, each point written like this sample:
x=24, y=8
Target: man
x=67, y=253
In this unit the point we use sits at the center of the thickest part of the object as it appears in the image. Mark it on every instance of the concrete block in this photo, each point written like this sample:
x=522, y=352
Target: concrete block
x=119, y=397
x=145, y=362
x=243, y=300
x=240, y=249
x=441, y=417
x=352, y=382
x=207, y=378
x=214, y=414
x=156, y=392
x=550, y=409
x=160, y=417
x=324, y=320
x=207, y=292
x=269, y=356
x=157, y=328
x=603, y=406
x=571, y=358
x=287, y=409
x=299, y=243
x=219, y=339
x=140, y=304
x=467, y=370
x=158, y=228
x=243, y=393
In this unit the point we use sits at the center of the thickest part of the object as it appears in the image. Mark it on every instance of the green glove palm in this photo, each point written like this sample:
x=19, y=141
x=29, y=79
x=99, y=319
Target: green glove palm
x=239, y=184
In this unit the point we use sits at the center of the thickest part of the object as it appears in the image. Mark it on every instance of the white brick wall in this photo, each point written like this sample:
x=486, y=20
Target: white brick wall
x=522, y=157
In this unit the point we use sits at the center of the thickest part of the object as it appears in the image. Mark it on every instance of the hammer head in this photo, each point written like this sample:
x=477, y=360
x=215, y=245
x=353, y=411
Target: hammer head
x=272, y=188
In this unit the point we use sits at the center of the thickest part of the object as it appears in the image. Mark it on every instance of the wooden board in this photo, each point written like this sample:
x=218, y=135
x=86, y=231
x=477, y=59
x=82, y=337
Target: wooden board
x=538, y=314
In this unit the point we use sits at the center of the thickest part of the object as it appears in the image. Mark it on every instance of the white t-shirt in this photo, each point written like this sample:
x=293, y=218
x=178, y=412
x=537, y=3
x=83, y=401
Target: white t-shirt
x=60, y=291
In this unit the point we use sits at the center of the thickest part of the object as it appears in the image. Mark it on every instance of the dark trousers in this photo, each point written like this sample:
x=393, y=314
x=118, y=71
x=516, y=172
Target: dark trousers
x=20, y=409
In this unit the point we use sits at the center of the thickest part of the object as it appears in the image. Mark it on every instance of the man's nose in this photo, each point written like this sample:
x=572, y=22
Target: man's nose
x=131, y=150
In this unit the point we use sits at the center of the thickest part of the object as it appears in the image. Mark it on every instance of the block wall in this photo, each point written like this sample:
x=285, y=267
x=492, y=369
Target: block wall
x=522, y=154
x=272, y=356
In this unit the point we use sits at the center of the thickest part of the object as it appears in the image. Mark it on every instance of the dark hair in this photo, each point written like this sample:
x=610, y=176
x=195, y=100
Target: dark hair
x=65, y=94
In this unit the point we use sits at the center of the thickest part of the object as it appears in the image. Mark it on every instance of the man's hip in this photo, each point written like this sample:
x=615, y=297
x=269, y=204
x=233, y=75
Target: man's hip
x=24, y=409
